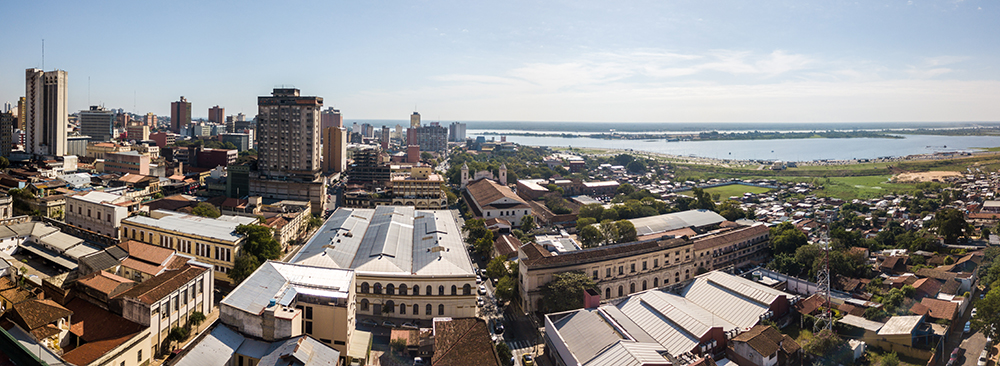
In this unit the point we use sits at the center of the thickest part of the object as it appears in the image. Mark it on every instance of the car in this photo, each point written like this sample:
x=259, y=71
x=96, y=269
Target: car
x=973, y=313
x=497, y=327
x=408, y=326
x=527, y=360
x=419, y=362
x=482, y=289
x=480, y=302
x=388, y=324
x=369, y=322
x=983, y=356
x=968, y=326
x=479, y=279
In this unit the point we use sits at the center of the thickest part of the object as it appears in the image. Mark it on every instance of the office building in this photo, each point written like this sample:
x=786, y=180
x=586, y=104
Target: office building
x=97, y=123
x=180, y=114
x=149, y=120
x=77, y=145
x=420, y=188
x=46, y=113
x=21, y=120
x=331, y=118
x=7, y=122
x=415, y=120
x=241, y=140
x=126, y=162
x=398, y=133
x=370, y=169
x=288, y=135
x=414, y=261
x=163, y=138
x=137, y=132
x=432, y=138
x=334, y=149
x=384, y=138
x=456, y=132
x=217, y=114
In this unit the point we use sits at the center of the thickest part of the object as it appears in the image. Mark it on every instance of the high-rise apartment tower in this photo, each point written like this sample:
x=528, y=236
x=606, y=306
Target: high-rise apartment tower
x=288, y=135
x=46, y=114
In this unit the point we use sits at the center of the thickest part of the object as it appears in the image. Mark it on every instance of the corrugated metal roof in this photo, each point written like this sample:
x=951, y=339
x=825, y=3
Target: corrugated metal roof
x=862, y=323
x=275, y=280
x=673, y=221
x=628, y=353
x=389, y=239
x=736, y=299
x=586, y=333
x=217, y=348
x=221, y=229
x=901, y=324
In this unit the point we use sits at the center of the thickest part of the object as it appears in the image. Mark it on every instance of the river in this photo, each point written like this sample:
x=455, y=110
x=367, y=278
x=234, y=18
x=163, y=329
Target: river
x=784, y=149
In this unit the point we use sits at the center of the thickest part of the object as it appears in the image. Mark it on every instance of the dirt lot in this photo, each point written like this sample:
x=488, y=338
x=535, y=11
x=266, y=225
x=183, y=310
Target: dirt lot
x=924, y=176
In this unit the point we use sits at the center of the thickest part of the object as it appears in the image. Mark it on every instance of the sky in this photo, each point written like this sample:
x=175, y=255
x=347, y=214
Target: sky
x=589, y=61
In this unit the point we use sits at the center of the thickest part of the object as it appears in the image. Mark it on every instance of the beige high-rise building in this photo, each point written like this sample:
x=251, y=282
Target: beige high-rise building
x=415, y=120
x=20, y=114
x=288, y=135
x=334, y=149
x=150, y=120
x=46, y=114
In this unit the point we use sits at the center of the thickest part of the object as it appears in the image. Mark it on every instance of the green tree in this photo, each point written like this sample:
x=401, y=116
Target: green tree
x=484, y=245
x=786, y=238
x=609, y=231
x=177, y=334
x=195, y=319
x=593, y=210
x=426, y=156
x=636, y=167
x=565, y=291
x=731, y=210
x=584, y=221
x=823, y=342
x=503, y=352
x=951, y=224
x=475, y=229
x=497, y=268
x=4, y=163
x=505, y=288
x=243, y=268
x=527, y=223
x=590, y=236
x=626, y=231
x=205, y=209
x=260, y=242
x=702, y=199
x=987, y=317
x=626, y=189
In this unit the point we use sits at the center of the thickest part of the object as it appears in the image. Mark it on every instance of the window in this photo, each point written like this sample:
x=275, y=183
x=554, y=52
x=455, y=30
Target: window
x=309, y=327
x=621, y=291
x=467, y=289
x=441, y=309
x=193, y=295
x=390, y=289
x=240, y=361
x=309, y=312
x=656, y=282
x=607, y=293
x=416, y=290
x=644, y=265
x=142, y=236
x=607, y=272
x=184, y=295
x=88, y=213
x=402, y=289
x=177, y=304
x=621, y=270
x=595, y=275
x=454, y=290
x=201, y=286
x=631, y=288
x=99, y=218
x=402, y=309
x=644, y=285
x=378, y=288
x=632, y=268
x=364, y=304
x=656, y=262
x=429, y=290
x=140, y=356
x=364, y=287
x=441, y=290
x=416, y=309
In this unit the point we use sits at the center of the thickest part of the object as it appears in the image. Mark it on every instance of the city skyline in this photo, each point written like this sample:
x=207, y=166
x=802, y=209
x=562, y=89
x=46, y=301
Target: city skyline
x=580, y=61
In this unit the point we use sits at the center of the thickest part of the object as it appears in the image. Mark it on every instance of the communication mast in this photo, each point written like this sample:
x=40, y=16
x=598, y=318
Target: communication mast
x=824, y=320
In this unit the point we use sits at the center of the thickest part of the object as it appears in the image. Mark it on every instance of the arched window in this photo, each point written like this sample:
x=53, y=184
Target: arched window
x=621, y=291
x=364, y=304
x=467, y=289
x=402, y=289
x=631, y=287
x=607, y=293
x=429, y=293
x=402, y=309
x=390, y=307
x=656, y=282
x=364, y=287
x=416, y=309
x=644, y=285
x=142, y=236
x=416, y=290
x=378, y=288
x=390, y=289
x=429, y=309
x=454, y=290
x=441, y=290
x=441, y=309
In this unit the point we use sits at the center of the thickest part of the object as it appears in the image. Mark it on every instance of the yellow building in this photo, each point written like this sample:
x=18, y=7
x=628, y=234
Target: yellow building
x=419, y=188
x=211, y=241
x=409, y=263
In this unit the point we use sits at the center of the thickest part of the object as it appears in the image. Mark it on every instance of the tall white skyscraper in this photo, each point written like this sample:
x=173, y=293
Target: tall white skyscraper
x=46, y=112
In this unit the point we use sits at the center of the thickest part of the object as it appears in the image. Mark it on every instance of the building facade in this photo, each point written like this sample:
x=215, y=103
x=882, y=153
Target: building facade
x=419, y=188
x=288, y=137
x=126, y=162
x=98, y=123
x=432, y=138
x=180, y=115
x=137, y=132
x=46, y=112
x=7, y=122
x=241, y=140
x=211, y=241
x=412, y=263
x=217, y=114
x=331, y=118
x=96, y=211
x=456, y=132
x=334, y=149
x=167, y=301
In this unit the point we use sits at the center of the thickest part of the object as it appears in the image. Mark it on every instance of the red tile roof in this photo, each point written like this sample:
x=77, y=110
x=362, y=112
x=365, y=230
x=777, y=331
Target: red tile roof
x=102, y=330
x=767, y=341
x=34, y=314
x=939, y=309
x=506, y=245
x=156, y=288
x=106, y=283
x=462, y=342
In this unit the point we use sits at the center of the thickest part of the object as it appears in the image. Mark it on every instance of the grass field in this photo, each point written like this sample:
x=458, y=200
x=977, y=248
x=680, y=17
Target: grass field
x=730, y=190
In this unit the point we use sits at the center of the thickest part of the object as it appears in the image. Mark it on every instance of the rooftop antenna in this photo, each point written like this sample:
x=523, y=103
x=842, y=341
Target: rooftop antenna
x=825, y=319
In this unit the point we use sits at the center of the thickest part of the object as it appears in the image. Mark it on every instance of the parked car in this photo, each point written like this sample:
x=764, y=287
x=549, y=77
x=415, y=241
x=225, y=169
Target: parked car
x=482, y=289
x=983, y=357
x=968, y=326
x=497, y=327
x=388, y=324
x=527, y=360
x=418, y=362
x=408, y=326
x=973, y=312
x=480, y=302
x=369, y=322
x=479, y=279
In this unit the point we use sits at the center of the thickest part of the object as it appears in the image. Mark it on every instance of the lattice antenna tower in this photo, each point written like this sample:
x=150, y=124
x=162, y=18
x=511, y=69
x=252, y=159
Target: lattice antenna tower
x=825, y=319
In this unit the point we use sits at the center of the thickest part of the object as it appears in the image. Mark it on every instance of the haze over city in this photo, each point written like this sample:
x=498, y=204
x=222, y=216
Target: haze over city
x=722, y=61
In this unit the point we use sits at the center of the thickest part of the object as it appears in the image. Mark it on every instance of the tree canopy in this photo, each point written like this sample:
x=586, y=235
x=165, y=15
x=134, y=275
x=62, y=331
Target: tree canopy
x=205, y=209
x=565, y=291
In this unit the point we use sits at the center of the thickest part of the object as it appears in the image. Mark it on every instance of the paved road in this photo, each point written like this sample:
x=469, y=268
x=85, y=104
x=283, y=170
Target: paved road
x=971, y=344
